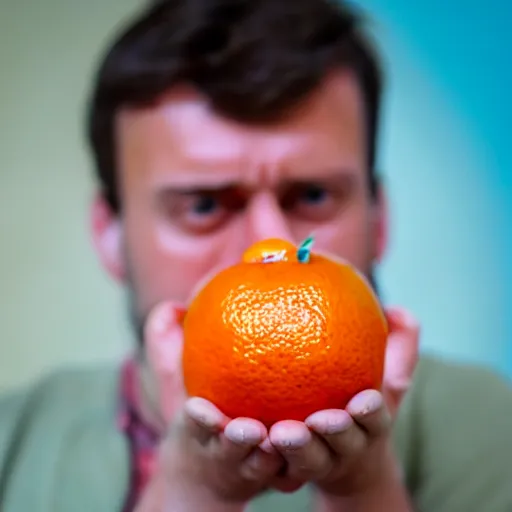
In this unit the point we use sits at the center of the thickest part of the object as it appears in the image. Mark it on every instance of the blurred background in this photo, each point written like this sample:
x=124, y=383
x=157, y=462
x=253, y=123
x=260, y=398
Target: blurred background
x=445, y=157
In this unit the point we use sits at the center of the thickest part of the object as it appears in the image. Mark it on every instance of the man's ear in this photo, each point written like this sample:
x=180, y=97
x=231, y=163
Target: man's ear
x=380, y=224
x=106, y=232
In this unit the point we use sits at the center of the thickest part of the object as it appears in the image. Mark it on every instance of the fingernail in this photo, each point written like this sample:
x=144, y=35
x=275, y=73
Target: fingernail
x=246, y=434
x=202, y=413
x=366, y=402
x=330, y=422
x=205, y=420
x=290, y=438
x=336, y=425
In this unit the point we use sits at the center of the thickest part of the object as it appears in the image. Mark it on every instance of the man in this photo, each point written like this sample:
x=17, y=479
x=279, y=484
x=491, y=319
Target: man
x=214, y=124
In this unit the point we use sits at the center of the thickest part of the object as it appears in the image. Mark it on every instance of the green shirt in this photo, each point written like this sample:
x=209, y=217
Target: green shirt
x=60, y=450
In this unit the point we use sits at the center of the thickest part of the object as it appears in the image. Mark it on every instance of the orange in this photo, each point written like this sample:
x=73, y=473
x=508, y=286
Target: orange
x=283, y=334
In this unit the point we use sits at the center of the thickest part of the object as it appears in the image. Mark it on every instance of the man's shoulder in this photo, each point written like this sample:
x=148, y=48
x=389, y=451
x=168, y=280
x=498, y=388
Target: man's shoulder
x=439, y=383
x=59, y=435
x=69, y=387
x=455, y=419
x=55, y=401
x=447, y=393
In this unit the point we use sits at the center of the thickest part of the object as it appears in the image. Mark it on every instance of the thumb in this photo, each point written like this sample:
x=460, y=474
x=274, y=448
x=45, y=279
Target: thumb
x=163, y=345
x=402, y=353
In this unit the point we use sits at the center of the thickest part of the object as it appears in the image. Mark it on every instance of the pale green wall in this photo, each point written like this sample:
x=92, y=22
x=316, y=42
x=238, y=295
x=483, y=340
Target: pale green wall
x=55, y=304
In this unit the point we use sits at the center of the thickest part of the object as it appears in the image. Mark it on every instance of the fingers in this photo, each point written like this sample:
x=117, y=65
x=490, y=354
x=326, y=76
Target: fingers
x=222, y=457
x=369, y=412
x=402, y=353
x=339, y=431
x=349, y=431
x=234, y=442
x=329, y=439
x=324, y=449
x=239, y=439
x=163, y=345
x=261, y=465
x=203, y=420
x=308, y=457
x=402, y=349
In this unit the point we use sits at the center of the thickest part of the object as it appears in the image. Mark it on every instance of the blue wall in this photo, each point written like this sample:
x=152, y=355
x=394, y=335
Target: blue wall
x=447, y=162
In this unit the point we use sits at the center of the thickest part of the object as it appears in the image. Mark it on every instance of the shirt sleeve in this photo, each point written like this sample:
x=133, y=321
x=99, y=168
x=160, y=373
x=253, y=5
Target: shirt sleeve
x=12, y=407
x=464, y=422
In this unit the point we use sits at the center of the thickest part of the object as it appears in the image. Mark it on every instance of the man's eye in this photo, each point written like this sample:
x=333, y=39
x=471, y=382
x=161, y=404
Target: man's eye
x=204, y=205
x=203, y=213
x=197, y=212
x=312, y=202
x=313, y=194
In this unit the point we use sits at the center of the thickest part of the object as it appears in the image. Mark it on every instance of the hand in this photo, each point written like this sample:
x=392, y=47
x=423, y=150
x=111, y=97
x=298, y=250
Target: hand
x=358, y=455
x=348, y=452
x=206, y=461
x=231, y=459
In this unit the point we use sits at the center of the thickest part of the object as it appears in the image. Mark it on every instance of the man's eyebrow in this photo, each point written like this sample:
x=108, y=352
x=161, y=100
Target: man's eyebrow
x=342, y=177
x=192, y=184
x=323, y=178
x=170, y=189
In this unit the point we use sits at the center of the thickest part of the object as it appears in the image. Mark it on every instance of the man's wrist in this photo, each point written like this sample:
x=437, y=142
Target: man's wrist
x=386, y=493
x=393, y=498
x=193, y=501
x=182, y=497
x=163, y=496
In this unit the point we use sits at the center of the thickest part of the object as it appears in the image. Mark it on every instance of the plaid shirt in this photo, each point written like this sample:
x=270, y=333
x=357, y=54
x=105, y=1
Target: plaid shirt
x=141, y=437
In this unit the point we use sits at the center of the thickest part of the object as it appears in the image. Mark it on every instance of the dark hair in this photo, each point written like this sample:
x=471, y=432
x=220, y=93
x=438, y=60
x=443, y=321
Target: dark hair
x=253, y=59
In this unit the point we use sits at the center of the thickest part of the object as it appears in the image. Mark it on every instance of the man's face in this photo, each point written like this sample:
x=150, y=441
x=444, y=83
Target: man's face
x=198, y=189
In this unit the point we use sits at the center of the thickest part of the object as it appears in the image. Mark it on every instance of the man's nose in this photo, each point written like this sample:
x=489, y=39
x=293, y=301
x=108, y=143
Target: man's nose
x=266, y=219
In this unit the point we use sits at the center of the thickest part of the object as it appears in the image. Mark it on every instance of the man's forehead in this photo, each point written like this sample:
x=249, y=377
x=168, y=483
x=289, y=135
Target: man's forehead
x=182, y=131
x=338, y=94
